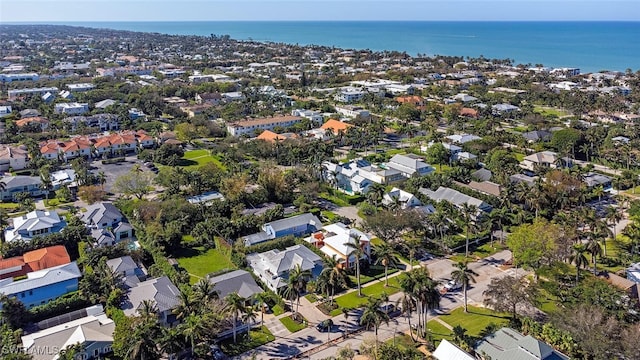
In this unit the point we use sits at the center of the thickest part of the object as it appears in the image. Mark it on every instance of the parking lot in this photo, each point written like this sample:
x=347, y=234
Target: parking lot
x=113, y=171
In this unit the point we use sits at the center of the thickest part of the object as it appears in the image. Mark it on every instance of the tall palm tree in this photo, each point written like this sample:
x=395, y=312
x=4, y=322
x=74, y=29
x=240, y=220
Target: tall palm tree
x=373, y=316
x=387, y=256
x=613, y=216
x=298, y=278
x=260, y=301
x=236, y=306
x=469, y=212
x=193, y=329
x=249, y=318
x=171, y=341
x=463, y=275
x=595, y=249
x=579, y=258
x=332, y=277
x=408, y=305
x=356, y=251
x=203, y=291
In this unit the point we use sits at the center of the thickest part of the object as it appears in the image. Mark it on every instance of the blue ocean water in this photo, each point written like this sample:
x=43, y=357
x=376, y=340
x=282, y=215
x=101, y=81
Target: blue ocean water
x=591, y=46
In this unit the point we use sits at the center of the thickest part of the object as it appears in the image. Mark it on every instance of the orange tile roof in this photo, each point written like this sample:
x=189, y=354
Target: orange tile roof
x=414, y=99
x=47, y=257
x=11, y=262
x=335, y=125
x=29, y=120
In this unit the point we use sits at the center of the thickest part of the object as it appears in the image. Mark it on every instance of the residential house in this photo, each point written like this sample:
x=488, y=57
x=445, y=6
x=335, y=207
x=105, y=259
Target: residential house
x=249, y=127
x=403, y=199
x=462, y=138
x=353, y=111
x=81, y=87
x=296, y=225
x=32, y=224
x=537, y=136
x=349, y=95
x=135, y=114
x=29, y=113
x=232, y=96
x=160, y=291
x=314, y=116
x=37, y=122
x=130, y=273
x=356, y=176
x=208, y=98
x=449, y=351
x=508, y=344
x=238, y=281
x=15, y=93
x=618, y=140
x=410, y=99
x=13, y=158
x=273, y=266
x=455, y=197
x=93, y=332
x=481, y=175
x=272, y=137
x=332, y=240
x=43, y=286
x=503, y=109
x=5, y=111
x=593, y=180
x=34, y=260
x=13, y=185
x=104, y=104
x=193, y=110
x=409, y=165
x=71, y=108
x=206, y=198
x=547, y=159
x=107, y=224
x=335, y=126
x=464, y=98
x=522, y=178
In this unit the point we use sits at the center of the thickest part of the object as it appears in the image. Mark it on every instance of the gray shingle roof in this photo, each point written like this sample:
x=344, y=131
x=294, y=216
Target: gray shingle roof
x=41, y=278
x=121, y=264
x=455, y=197
x=238, y=281
x=20, y=181
x=102, y=212
x=161, y=290
x=294, y=221
x=508, y=344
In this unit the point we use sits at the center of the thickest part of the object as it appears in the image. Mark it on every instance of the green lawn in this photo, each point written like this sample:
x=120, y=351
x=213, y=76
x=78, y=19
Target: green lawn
x=353, y=301
x=475, y=320
x=9, y=206
x=519, y=156
x=548, y=303
x=403, y=341
x=375, y=272
x=438, y=331
x=257, y=338
x=292, y=325
x=546, y=111
x=480, y=252
x=196, y=158
x=311, y=297
x=199, y=262
x=277, y=310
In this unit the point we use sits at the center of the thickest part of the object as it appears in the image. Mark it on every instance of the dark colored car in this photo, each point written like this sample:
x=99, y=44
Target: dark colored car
x=391, y=310
x=325, y=325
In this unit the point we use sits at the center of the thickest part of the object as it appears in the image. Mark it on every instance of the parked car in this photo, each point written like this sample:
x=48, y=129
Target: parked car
x=216, y=353
x=391, y=310
x=452, y=286
x=325, y=325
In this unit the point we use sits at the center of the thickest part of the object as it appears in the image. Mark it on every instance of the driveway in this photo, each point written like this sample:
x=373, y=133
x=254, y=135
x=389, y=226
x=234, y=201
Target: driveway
x=350, y=212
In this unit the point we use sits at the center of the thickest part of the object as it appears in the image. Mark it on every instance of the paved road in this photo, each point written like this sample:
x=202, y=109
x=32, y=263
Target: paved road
x=310, y=338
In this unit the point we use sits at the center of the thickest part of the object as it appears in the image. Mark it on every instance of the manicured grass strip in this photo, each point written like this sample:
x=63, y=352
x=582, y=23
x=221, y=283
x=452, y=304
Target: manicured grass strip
x=9, y=206
x=257, y=338
x=198, y=158
x=277, y=310
x=438, y=331
x=291, y=324
x=352, y=300
x=375, y=272
x=475, y=320
x=311, y=297
x=199, y=262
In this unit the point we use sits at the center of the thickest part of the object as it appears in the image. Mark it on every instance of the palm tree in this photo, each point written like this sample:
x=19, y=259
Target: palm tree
x=236, y=306
x=260, y=301
x=193, y=329
x=102, y=179
x=579, y=258
x=385, y=255
x=171, y=341
x=357, y=252
x=373, y=316
x=595, y=249
x=332, y=277
x=613, y=217
x=407, y=304
x=298, y=278
x=148, y=309
x=249, y=318
x=463, y=275
x=203, y=291
x=469, y=213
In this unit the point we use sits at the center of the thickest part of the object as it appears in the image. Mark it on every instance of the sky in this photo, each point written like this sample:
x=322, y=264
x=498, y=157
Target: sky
x=305, y=10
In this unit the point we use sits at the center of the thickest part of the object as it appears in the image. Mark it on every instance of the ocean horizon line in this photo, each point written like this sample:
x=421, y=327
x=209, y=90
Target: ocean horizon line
x=311, y=21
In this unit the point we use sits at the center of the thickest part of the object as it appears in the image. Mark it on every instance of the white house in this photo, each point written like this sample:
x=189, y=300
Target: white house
x=35, y=223
x=405, y=199
x=273, y=266
x=353, y=111
x=314, y=116
x=409, y=165
x=13, y=94
x=5, y=111
x=331, y=241
x=81, y=87
x=94, y=332
x=71, y=108
x=13, y=157
x=249, y=127
x=462, y=138
x=349, y=95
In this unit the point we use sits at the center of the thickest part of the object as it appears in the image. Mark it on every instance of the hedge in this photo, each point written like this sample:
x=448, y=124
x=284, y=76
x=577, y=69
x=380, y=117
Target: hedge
x=65, y=304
